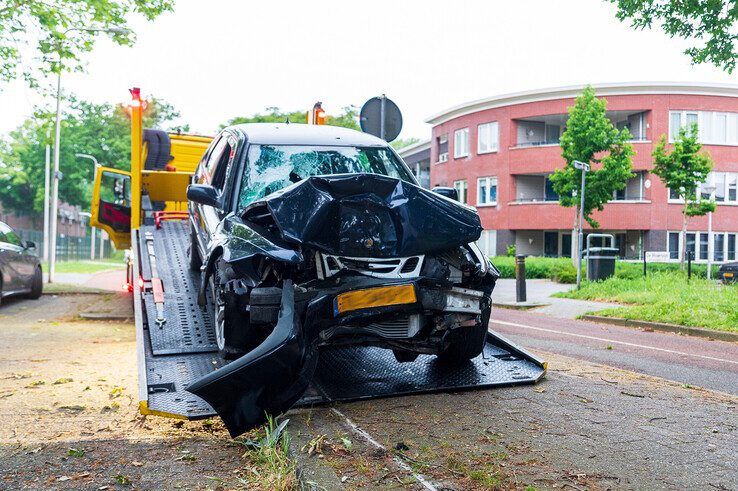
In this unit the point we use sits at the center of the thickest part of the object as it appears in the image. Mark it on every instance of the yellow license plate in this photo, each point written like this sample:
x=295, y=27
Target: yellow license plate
x=728, y=275
x=374, y=297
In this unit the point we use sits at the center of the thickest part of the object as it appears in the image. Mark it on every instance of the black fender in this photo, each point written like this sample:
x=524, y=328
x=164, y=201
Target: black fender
x=206, y=270
x=267, y=380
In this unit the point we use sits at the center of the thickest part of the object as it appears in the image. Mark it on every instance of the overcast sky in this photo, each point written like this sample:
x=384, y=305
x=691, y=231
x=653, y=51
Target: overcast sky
x=219, y=59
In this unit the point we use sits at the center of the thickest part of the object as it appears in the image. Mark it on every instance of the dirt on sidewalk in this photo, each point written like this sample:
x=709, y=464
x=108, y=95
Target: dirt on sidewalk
x=68, y=406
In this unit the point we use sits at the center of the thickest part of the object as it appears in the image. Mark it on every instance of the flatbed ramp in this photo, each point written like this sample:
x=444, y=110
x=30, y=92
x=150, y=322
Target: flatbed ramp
x=173, y=354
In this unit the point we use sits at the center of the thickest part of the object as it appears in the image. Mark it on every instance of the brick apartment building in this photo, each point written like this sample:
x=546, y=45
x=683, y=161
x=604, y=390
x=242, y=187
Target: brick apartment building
x=498, y=153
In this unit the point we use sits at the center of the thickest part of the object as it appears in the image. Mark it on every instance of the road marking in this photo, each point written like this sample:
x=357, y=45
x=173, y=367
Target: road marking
x=400, y=463
x=712, y=358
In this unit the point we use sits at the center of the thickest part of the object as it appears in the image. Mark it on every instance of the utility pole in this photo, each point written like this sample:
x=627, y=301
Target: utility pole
x=47, y=182
x=584, y=167
x=57, y=137
x=710, y=189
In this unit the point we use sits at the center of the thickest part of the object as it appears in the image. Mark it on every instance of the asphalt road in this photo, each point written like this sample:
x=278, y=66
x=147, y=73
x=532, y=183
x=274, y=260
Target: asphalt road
x=688, y=360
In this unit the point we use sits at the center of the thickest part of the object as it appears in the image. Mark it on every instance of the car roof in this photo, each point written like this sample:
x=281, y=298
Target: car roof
x=305, y=134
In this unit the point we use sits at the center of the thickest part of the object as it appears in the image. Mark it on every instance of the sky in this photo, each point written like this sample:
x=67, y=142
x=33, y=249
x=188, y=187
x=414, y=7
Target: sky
x=219, y=59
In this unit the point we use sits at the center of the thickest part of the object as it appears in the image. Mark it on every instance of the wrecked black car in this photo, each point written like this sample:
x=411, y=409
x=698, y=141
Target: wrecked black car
x=310, y=236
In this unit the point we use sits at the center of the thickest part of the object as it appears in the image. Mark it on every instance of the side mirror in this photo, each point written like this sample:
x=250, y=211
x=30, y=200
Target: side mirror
x=450, y=193
x=29, y=245
x=203, y=194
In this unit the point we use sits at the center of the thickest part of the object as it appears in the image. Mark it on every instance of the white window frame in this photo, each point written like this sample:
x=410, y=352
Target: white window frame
x=698, y=237
x=488, y=137
x=461, y=143
x=488, y=182
x=462, y=189
x=707, y=124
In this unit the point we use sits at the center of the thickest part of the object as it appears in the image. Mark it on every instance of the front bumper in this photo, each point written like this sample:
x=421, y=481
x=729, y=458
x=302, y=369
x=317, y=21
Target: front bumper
x=271, y=377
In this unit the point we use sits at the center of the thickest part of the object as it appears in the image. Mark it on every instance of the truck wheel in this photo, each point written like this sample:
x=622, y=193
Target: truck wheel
x=465, y=343
x=37, y=284
x=195, y=259
x=231, y=326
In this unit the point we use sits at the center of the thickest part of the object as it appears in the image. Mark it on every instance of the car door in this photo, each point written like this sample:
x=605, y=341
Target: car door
x=213, y=172
x=11, y=259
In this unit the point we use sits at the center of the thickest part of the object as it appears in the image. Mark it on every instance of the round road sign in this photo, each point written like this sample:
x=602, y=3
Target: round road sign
x=381, y=117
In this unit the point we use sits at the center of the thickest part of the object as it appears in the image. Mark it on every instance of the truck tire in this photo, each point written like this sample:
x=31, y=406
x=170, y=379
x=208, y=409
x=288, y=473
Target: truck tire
x=465, y=343
x=195, y=259
x=37, y=284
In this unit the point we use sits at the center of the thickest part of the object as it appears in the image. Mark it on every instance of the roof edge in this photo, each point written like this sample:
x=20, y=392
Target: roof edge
x=571, y=91
x=414, y=148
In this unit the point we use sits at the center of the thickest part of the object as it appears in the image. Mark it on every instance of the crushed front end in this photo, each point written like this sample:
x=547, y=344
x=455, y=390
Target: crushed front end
x=355, y=259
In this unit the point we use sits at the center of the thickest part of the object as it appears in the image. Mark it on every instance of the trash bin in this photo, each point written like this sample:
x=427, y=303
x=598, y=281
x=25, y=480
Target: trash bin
x=601, y=262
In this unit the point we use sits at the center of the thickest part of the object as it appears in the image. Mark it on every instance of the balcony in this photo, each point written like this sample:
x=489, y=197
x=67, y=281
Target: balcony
x=547, y=130
x=534, y=189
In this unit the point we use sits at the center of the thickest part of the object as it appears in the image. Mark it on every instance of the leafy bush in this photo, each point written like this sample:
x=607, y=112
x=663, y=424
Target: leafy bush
x=511, y=250
x=562, y=270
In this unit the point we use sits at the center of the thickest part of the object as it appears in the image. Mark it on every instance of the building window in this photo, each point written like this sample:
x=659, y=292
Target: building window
x=718, y=247
x=461, y=143
x=488, y=137
x=703, y=246
x=462, y=187
x=731, y=247
x=716, y=128
x=673, y=245
x=633, y=190
x=442, y=146
x=486, y=191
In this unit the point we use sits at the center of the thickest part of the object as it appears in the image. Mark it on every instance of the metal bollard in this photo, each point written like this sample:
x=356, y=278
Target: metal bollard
x=520, y=293
x=690, y=255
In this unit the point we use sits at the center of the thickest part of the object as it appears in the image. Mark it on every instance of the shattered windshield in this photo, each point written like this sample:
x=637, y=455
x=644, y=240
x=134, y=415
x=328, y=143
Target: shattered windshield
x=270, y=168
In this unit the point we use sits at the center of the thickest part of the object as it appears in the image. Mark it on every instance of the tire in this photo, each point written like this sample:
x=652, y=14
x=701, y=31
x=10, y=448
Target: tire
x=465, y=343
x=37, y=285
x=195, y=259
x=231, y=326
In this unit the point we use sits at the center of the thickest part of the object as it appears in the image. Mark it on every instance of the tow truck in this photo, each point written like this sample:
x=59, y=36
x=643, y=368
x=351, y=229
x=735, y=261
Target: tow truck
x=145, y=210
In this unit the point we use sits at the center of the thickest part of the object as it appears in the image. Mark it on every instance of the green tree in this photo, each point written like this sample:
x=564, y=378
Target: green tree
x=404, y=142
x=709, y=24
x=32, y=32
x=683, y=170
x=590, y=137
x=101, y=130
x=347, y=119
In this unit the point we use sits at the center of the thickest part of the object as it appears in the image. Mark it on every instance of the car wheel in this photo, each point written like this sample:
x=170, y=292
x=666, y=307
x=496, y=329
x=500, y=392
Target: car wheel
x=195, y=259
x=37, y=284
x=465, y=343
x=231, y=326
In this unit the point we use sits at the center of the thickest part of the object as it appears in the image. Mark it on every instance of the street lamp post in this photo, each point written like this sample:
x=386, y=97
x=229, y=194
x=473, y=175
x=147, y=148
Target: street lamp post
x=57, y=136
x=95, y=165
x=47, y=183
x=584, y=167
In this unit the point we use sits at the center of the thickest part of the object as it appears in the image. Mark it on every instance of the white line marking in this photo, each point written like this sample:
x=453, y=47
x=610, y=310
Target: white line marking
x=514, y=324
x=400, y=463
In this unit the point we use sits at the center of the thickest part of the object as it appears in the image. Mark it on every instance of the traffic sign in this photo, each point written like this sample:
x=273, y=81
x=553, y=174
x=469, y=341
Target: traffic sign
x=381, y=117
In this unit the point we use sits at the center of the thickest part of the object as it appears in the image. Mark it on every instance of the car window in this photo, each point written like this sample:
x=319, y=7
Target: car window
x=215, y=157
x=8, y=235
x=221, y=169
x=270, y=168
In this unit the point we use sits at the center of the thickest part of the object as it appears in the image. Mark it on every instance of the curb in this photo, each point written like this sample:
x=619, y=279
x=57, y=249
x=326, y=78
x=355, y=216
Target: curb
x=519, y=306
x=660, y=326
x=105, y=316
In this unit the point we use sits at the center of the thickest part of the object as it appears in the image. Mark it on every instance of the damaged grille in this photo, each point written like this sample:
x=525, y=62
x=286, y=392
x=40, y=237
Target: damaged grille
x=402, y=267
x=400, y=328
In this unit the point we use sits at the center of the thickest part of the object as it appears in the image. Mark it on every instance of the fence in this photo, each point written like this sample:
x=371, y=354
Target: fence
x=71, y=248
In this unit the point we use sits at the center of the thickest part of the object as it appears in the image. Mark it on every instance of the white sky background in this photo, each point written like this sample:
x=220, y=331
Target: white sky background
x=219, y=59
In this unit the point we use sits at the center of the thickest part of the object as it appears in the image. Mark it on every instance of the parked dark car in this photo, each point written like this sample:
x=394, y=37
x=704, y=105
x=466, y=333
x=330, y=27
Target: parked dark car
x=728, y=272
x=309, y=236
x=20, y=269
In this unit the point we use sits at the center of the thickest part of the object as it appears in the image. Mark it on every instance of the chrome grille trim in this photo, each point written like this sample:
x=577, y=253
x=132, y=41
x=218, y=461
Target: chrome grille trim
x=399, y=267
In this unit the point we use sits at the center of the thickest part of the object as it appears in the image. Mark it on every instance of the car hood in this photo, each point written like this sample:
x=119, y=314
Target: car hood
x=366, y=215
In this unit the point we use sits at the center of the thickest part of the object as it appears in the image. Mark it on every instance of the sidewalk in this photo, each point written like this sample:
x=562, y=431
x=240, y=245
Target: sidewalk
x=540, y=291
x=113, y=280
